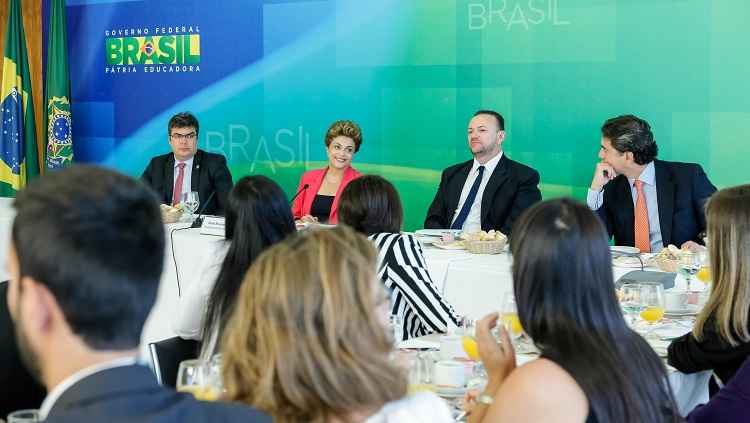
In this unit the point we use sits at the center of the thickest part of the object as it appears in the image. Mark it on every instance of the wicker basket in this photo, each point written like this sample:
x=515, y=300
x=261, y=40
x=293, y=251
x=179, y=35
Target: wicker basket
x=171, y=215
x=485, y=247
x=666, y=264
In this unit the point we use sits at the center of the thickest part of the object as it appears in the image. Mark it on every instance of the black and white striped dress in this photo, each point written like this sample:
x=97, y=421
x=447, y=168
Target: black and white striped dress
x=414, y=296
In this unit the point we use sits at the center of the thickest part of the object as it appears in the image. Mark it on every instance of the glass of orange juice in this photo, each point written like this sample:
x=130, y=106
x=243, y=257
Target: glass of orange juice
x=195, y=377
x=510, y=320
x=469, y=340
x=652, y=296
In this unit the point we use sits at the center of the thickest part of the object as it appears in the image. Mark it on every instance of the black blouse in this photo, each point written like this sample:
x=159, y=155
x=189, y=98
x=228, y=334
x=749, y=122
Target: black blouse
x=321, y=207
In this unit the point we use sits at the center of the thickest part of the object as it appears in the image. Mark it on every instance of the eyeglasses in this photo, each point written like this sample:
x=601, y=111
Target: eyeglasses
x=339, y=147
x=187, y=137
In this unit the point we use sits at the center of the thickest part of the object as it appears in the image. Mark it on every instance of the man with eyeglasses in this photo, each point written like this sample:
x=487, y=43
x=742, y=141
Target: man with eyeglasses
x=188, y=169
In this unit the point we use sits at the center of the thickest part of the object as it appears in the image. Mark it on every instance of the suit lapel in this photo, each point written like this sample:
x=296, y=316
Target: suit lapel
x=195, y=177
x=169, y=178
x=664, y=200
x=456, y=186
x=497, y=179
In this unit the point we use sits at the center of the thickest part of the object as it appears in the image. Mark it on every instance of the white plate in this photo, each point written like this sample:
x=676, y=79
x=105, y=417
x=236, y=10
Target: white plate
x=446, y=392
x=687, y=311
x=436, y=232
x=624, y=249
x=455, y=245
x=629, y=262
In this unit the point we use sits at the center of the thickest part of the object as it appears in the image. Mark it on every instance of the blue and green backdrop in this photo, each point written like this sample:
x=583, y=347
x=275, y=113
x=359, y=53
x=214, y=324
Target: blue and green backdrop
x=266, y=78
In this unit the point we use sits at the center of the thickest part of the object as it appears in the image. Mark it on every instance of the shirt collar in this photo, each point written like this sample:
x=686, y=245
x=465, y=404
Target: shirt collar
x=60, y=388
x=648, y=176
x=188, y=163
x=489, y=167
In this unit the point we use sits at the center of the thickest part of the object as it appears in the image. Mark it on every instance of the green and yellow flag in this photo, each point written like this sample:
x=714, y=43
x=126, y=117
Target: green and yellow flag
x=57, y=91
x=18, y=150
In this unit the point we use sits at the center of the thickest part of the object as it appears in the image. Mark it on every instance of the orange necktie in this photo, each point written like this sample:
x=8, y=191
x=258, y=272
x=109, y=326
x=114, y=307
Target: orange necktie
x=641, y=220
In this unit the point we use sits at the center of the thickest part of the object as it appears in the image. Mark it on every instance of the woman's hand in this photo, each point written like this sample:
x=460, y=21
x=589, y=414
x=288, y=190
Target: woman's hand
x=499, y=359
x=308, y=219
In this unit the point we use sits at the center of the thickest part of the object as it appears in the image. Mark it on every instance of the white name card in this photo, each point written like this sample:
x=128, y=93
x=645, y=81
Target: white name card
x=213, y=225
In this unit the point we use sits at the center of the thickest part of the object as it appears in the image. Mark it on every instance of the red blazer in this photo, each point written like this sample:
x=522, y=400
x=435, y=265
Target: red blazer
x=314, y=178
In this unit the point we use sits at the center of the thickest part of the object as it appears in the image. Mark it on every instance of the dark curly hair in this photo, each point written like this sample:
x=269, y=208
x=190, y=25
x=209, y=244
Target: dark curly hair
x=631, y=133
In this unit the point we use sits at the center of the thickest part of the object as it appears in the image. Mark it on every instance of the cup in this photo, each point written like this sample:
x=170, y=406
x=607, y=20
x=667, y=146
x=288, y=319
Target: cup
x=675, y=300
x=24, y=416
x=451, y=347
x=449, y=374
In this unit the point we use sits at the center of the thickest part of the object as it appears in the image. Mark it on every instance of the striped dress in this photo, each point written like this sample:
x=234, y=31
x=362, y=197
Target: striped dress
x=414, y=296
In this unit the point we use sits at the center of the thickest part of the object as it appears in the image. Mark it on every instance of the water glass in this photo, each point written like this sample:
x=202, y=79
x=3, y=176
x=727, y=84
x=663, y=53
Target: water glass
x=193, y=378
x=24, y=416
x=690, y=264
x=191, y=201
x=420, y=373
x=397, y=329
x=631, y=301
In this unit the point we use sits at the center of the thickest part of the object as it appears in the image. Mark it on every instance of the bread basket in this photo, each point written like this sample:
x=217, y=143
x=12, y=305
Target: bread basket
x=170, y=214
x=667, y=264
x=485, y=247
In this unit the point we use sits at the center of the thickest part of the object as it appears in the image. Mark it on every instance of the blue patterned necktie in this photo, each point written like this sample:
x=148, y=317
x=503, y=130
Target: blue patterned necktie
x=464, y=213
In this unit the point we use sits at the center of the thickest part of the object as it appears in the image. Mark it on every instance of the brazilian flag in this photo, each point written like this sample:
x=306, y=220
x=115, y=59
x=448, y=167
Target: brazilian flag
x=57, y=91
x=18, y=150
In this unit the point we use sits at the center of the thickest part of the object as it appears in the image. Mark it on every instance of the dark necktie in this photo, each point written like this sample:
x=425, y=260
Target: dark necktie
x=464, y=213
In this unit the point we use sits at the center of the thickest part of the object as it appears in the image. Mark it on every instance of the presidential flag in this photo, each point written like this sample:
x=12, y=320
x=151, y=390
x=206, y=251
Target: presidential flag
x=18, y=150
x=57, y=91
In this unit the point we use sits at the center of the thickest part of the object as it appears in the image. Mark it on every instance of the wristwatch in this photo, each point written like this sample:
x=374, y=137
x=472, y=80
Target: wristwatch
x=485, y=399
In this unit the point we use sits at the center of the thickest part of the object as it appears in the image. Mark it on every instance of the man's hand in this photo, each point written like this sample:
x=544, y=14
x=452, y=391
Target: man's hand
x=602, y=174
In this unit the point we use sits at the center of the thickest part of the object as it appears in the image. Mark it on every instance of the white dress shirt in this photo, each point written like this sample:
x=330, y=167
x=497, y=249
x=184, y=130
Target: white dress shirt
x=595, y=199
x=60, y=388
x=473, y=221
x=186, y=179
x=420, y=407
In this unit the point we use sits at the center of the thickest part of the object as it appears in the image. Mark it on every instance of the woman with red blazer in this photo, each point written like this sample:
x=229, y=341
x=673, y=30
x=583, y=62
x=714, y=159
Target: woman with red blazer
x=320, y=189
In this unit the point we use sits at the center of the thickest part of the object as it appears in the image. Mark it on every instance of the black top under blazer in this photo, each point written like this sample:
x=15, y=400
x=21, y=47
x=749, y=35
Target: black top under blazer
x=681, y=193
x=210, y=174
x=511, y=189
x=130, y=394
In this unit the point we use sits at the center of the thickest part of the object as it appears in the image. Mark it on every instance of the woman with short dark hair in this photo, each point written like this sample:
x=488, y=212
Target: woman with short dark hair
x=371, y=205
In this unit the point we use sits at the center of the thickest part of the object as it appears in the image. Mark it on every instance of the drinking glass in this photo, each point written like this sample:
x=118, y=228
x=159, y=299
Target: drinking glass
x=510, y=320
x=690, y=263
x=397, y=329
x=420, y=373
x=631, y=301
x=468, y=338
x=192, y=378
x=191, y=201
x=652, y=298
x=24, y=416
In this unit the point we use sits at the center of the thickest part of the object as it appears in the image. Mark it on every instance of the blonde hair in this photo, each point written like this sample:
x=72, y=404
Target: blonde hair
x=728, y=221
x=345, y=128
x=304, y=343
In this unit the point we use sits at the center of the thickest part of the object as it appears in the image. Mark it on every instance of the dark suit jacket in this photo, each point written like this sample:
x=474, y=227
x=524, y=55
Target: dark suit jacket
x=210, y=174
x=130, y=394
x=18, y=389
x=512, y=188
x=681, y=192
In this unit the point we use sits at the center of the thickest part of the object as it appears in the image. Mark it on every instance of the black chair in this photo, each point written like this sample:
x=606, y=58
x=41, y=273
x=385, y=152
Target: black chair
x=167, y=354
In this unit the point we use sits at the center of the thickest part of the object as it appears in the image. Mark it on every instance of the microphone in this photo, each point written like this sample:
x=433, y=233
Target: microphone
x=199, y=220
x=304, y=187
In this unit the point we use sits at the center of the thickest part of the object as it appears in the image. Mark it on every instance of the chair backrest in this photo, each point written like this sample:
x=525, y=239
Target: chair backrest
x=166, y=356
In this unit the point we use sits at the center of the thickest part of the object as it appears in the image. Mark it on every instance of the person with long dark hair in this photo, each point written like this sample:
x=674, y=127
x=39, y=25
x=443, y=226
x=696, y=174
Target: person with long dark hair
x=257, y=216
x=371, y=205
x=593, y=367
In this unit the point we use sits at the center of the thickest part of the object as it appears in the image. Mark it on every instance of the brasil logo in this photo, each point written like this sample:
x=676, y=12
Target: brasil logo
x=60, y=140
x=165, y=53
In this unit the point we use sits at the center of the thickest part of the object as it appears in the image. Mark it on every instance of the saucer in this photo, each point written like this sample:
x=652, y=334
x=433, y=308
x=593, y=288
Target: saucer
x=437, y=232
x=624, y=249
x=687, y=311
x=449, y=392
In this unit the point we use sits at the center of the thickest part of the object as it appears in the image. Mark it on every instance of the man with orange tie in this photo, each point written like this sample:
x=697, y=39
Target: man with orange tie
x=644, y=202
x=187, y=169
